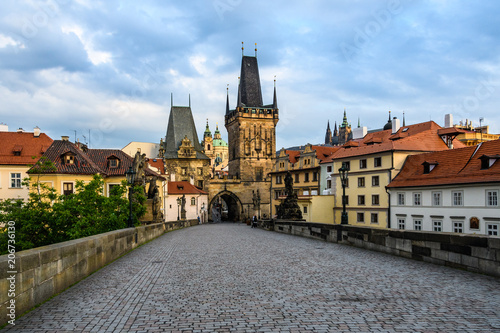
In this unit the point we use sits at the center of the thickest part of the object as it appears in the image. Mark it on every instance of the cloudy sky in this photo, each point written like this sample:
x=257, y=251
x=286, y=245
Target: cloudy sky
x=74, y=67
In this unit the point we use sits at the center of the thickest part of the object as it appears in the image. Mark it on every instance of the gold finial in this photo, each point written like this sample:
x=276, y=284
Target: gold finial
x=255, y=49
x=242, y=48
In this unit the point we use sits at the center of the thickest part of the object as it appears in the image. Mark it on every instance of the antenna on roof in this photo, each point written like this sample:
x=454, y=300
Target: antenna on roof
x=75, y=134
x=171, y=100
x=242, y=48
x=255, y=50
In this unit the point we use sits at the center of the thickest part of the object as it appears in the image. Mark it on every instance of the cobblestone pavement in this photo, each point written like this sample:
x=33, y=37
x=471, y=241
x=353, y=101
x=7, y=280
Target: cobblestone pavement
x=229, y=277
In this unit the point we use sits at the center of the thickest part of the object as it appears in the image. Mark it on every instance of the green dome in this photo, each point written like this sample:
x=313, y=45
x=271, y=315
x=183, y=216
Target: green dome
x=219, y=143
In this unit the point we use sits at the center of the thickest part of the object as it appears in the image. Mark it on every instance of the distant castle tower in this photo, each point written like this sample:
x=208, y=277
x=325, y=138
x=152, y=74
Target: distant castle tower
x=328, y=135
x=339, y=137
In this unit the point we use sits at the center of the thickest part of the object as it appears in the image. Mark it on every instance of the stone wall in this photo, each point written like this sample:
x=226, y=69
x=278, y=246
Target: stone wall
x=475, y=253
x=46, y=271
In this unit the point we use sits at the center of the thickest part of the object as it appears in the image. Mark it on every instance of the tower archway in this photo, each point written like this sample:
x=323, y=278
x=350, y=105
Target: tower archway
x=228, y=205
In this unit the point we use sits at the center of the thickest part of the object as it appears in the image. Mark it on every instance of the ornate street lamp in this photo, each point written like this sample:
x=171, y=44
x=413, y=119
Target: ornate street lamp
x=343, y=171
x=178, y=205
x=130, y=174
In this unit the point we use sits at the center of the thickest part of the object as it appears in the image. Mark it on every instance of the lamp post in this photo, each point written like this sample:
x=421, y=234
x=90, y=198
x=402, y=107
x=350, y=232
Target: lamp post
x=343, y=171
x=178, y=205
x=130, y=174
x=202, y=212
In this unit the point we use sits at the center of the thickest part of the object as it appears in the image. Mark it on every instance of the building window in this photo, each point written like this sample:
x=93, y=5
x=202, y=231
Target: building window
x=69, y=159
x=15, y=180
x=68, y=188
x=374, y=218
x=436, y=198
x=401, y=199
x=362, y=164
x=200, y=183
x=297, y=177
x=492, y=198
x=278, y=180
x=345, y=200
x=361, y=217
x=113, y=163
x=347, y=165
x=401, y=223
x=259, y=174
x=458, y=198
x=193, y=201
x=329, y=168
x=437, y=225
x=200, y=171
x=417, y=224
x=417, y=199
x=328, y=183
x=305, y=209
x=377, y=162
x=361, y=200
x=375, y=181
x=183, y=171
x=306, y=177
x=315, y=176
x=375, y=200
x=492, y=229
x=458, y=227
x=361, y=181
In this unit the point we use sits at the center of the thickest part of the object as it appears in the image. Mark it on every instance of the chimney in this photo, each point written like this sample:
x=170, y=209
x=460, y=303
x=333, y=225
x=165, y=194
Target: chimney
x=20, y=130
x=395, y=125
x=65, y=138
x=448, y=120
x=36, y=132
x=359, y=132
x=4, y=127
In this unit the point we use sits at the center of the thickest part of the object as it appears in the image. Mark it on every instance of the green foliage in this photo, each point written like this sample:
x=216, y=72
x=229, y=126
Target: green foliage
x=48, y=218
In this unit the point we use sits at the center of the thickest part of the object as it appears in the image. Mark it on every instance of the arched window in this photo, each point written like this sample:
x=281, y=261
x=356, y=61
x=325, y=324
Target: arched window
x=193, y=201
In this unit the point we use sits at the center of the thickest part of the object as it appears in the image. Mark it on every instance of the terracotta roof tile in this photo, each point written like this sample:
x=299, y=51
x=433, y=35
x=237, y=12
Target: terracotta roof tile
x=418, y=137
x=24, y=143
x=454, y=166
x=183, y=187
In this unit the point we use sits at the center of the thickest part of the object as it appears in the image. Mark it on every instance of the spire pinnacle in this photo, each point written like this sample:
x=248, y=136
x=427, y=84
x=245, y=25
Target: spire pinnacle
x=189, y=100
x=171, y=99
x=227, y=99
x=255, y=50
x=359, y=124
x=242, y=48
x=404, y=122
x=275, y=99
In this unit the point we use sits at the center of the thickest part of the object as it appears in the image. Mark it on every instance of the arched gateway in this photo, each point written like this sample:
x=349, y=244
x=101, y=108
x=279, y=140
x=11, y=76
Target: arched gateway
x=228, y=204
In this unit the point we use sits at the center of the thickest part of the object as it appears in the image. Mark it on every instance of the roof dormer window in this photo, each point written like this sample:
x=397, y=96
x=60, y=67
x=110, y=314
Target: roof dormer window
x=113, y=162
x=487, y=161
x=17, y=150
x=429, y=166
x=68, y=158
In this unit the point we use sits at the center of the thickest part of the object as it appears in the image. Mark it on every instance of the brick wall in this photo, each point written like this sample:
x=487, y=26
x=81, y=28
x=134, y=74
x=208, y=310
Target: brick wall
x=475, y=253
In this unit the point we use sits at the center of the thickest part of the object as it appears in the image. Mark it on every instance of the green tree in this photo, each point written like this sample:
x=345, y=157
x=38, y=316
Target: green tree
x=48, y=218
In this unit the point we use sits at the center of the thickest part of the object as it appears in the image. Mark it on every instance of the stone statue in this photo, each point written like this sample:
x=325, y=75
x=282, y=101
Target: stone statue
x=138, y=166
x=183, y=207
x=152, y=188
x=289, y=209
x=157, y=214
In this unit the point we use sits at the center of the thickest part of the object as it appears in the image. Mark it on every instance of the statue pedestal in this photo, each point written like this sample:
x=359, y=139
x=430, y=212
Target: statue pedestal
x=148, y=217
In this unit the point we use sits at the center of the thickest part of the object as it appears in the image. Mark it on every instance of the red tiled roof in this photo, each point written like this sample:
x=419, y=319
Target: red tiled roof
x=183, y=187
x=419, y=137
x=90, y=161
x=323, y=152
x=454, y=166
x=293, y=155
x=26, y=143
x=158, y=164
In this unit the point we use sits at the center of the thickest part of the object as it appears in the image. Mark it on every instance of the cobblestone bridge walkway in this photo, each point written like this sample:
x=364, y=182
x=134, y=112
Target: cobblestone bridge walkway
x=229, y=277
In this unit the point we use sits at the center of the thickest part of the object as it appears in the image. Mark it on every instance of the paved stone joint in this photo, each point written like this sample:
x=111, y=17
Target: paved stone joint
x=231, y=278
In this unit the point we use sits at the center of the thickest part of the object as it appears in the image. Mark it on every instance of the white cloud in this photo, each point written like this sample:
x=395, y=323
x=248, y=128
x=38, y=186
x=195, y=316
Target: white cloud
x=95, y=56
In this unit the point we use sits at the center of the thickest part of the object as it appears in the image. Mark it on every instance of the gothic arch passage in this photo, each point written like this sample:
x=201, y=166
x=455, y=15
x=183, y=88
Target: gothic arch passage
x=228, y=205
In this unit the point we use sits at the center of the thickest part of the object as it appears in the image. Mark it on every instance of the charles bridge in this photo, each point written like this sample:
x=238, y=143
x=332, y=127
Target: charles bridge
x=230, y=277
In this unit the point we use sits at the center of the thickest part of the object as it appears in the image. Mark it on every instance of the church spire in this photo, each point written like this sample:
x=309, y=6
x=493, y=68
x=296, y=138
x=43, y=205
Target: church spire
x=328, y=135
x=227, y=99
x=404, y=122
x=344, y=120
x=275, y=100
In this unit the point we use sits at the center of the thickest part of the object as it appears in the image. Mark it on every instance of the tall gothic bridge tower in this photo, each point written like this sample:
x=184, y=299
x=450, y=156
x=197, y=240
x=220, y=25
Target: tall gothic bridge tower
x=251, y=128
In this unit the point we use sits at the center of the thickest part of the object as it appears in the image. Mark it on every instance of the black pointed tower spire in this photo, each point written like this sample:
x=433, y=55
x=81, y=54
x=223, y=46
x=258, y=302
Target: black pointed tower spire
x=227, y=99
x=275, y=99
x=328, y=135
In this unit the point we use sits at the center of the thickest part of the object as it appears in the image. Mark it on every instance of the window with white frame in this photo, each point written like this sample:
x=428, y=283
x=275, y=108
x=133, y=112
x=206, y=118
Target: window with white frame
x=437, y=225
x=492, y=229
x=361, y=181
x=457, y=198
x=328, y=183
x=401, y=223
x=417, y=199
x=361, y=200
x=401, y=199
x=328, y=168
x=458, y=226
x=375, y=181
x=15, y=180
x=375, y=200
x=492, y=198
x=362, y=164
x=417, y=224
x=193, y=201
x=436, y=198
